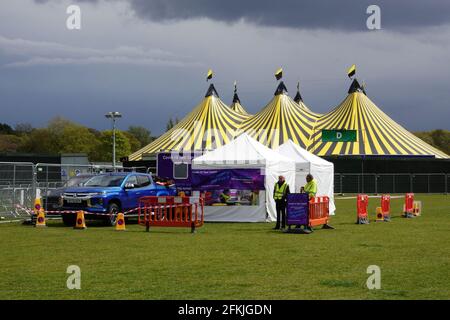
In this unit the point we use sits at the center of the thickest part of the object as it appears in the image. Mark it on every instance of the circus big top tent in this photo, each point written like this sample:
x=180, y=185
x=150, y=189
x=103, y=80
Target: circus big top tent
x=282, y=119
x=377, y=134
x=210, y=125
x=299, y=100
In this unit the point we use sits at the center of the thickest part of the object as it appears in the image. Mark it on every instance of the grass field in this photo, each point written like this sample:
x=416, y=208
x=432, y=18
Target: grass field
x=235, y=261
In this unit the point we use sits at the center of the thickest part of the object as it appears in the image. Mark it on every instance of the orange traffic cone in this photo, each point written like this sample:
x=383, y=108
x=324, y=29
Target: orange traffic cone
x=80, y=222
x=417, y=206
x=39, y=212
x=380, y=216
x=120, y=222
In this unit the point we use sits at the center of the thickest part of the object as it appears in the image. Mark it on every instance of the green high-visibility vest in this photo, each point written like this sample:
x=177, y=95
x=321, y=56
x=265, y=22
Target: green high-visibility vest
x=280, y=191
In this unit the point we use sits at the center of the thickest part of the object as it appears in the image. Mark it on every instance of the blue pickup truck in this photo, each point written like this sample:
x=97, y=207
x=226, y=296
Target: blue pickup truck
x=111, y=193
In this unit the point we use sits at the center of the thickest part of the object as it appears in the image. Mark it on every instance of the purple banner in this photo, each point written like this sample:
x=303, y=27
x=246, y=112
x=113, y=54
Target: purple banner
x=239, y=179
x=297, y=208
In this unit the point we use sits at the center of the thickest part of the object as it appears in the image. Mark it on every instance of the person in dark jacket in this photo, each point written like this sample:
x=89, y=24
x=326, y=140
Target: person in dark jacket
x=280, y=192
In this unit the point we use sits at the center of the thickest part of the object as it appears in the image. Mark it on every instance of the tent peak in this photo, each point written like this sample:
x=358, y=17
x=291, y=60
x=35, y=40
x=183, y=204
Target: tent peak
x=298, y=97
x=356, y=87
x=281, y=89
x=211, y=91
x=236, y=98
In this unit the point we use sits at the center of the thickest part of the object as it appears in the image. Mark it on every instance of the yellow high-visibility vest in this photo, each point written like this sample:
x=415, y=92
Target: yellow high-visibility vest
x=311, y=188
x=280, y=191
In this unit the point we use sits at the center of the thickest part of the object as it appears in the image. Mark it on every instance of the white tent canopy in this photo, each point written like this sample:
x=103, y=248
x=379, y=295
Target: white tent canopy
x=245, y=152
x=322, y=170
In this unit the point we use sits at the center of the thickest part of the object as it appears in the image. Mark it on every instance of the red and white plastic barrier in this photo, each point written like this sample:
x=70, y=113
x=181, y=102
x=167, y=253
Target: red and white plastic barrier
x=171, y=211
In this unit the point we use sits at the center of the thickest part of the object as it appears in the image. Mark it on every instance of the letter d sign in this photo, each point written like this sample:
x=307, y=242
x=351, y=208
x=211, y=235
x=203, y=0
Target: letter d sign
x=338, y=135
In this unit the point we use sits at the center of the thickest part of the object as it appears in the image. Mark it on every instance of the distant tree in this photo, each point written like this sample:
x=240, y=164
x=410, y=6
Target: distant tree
x=104, y=150
x=135, y=144
x=9, y=143
x=71, y=137
x=39, y=141
x=57, y=125
x=425, y=136
x=172, y=123
x=169, y=124
x=6, y=129
x=439, y=138
x=143, y=135
x=61, y=136
x=23, y=128
x=77, y=139
x=95, y=132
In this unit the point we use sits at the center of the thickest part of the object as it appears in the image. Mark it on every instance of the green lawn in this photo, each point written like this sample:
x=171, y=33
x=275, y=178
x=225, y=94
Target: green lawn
x=235, y=261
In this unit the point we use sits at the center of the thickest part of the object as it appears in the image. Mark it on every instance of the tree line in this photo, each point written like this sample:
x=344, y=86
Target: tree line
x=64, y=136
x=439, y=139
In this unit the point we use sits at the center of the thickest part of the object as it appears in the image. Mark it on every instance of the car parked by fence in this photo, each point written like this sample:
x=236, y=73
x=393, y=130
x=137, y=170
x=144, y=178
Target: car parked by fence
x=52, y=200
x=106, y=195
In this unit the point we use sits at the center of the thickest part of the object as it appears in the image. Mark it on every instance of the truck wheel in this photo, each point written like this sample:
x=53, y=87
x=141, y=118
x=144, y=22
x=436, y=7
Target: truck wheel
x=69, y=219
x=113, y=210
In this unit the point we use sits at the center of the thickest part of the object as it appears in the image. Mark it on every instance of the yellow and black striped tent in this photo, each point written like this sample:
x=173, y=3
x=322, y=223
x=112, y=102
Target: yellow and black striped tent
x=299, y=100
x=236, y=104
x=210, y=125
x=281, y=120
x=376, y=132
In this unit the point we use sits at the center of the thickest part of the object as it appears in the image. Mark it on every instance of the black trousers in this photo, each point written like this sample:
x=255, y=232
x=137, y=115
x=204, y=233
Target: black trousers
x=281, y=213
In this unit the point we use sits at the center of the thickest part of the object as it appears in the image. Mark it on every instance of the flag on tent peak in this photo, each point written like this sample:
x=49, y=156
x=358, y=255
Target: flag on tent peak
x=279, y=74
x=209, y=75
x=351, y=71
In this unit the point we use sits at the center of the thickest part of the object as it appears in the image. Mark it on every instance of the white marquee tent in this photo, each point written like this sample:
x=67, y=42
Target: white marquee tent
x=322, y=170
x=245, y=152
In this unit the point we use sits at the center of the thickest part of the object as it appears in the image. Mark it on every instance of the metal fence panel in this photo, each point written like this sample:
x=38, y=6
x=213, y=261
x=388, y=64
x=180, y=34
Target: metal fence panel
x=391, y=183
x=16, y=188
x=385, y=183
x=20, y=182
x=437, y=183
x=420, y=183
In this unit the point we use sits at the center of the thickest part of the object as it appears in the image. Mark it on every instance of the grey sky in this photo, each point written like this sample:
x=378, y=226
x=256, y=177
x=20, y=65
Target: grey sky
x=148, y=59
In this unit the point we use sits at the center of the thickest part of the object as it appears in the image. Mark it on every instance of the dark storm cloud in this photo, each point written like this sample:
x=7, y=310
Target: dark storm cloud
x=326, y=14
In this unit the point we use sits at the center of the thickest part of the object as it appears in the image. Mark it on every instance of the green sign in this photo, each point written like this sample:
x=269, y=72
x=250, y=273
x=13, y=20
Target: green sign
x=339, y=136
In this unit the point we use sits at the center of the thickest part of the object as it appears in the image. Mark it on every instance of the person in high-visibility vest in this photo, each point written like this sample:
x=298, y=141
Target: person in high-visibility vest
x=310, y=187
x=280, y=192
x=225, y=196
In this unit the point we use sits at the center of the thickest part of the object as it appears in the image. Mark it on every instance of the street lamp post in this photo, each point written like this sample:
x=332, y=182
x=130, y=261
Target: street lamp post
x=113, y=116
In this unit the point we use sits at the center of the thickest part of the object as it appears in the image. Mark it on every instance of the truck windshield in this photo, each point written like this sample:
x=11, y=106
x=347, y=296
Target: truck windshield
x=77, y=181
x=105, y=181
